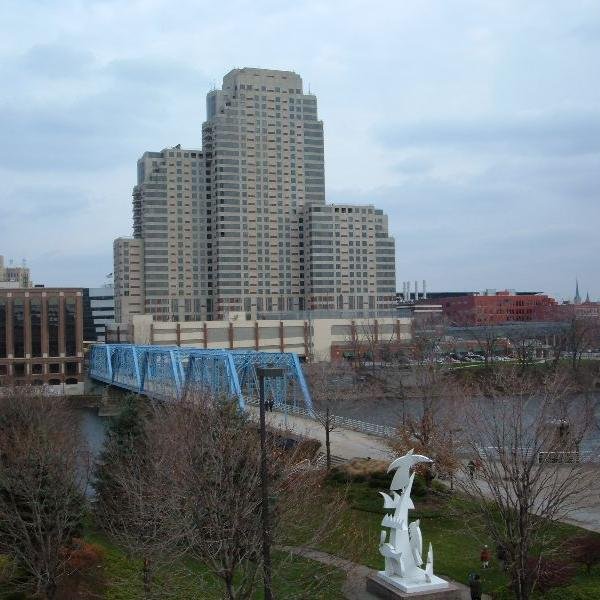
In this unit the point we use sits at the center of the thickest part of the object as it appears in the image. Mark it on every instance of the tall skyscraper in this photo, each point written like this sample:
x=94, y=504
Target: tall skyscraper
x=263, y=144
x=222, y=230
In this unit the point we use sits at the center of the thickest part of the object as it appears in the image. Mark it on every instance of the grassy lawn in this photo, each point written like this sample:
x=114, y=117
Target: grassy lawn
x=456, y=549
x=118, y=578
x=190, y=580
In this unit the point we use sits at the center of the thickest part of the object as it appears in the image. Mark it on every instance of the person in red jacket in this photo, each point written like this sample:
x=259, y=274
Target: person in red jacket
x=485, y=557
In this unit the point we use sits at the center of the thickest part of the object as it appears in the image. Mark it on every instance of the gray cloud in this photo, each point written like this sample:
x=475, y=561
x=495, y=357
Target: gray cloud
x=131, y=106
x=556, y=132
x=413, y=165
x=56, y=61
x=483, y=145
x=42, y=203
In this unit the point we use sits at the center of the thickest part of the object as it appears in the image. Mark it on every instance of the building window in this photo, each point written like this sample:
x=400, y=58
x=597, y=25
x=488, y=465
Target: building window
x=54, y=367
x=2, y=328
x=53, y=319
x=18, y=328
x=70, y=328
x=36, y=327
x=19, y=369
x=71, y=368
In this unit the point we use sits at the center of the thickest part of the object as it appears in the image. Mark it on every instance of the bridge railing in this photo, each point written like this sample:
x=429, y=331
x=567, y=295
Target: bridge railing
x=165, y=372
x=346, y=422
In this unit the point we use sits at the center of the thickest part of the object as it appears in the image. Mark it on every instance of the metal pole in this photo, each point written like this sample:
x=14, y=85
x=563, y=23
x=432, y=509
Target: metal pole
x=264, y=475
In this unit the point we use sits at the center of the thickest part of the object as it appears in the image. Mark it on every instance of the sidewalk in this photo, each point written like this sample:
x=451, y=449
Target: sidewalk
x=349, y=444
x=345, y=443
x=355, y=586
x=586, y=517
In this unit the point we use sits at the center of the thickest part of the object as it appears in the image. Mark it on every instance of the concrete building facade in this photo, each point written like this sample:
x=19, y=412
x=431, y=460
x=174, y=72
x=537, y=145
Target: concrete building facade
x=265, y=159
x=129, y=293
x=350, y=257
x=223, y=230
x=41, y=336
x=312, y=339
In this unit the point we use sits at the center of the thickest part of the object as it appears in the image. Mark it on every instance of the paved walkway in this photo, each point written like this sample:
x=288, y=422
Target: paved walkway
x=355, y=586
x=344, y=442
x=349, y=444
x=586, y=517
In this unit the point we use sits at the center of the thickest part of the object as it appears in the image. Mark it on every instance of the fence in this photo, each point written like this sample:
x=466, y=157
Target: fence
x=346, y=422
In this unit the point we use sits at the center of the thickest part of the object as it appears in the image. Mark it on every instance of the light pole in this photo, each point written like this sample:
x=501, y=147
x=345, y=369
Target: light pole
x=265, y=373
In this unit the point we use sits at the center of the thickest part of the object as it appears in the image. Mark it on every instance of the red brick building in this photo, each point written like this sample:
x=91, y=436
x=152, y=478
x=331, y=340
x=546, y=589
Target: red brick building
x=584, y=310
x=41, y=337
x=500, y=307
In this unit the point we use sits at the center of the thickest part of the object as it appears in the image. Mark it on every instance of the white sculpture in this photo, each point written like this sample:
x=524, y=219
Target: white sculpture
x=403, y=549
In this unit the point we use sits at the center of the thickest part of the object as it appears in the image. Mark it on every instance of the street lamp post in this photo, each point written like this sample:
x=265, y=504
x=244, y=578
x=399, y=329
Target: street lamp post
x=265, y=373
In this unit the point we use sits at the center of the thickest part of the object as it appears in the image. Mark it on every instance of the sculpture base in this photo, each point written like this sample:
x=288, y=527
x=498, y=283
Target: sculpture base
x=387, y=588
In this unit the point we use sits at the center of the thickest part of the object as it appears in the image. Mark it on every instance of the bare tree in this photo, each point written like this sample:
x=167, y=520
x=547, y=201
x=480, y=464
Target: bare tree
x=371, y=340
x=428, y=333
x=333, y=388
x=488, y=337
x=221, y=479
x=432, y=426
x=141, y=509
x=526, y=437
x=43, y=474
x=580, y=334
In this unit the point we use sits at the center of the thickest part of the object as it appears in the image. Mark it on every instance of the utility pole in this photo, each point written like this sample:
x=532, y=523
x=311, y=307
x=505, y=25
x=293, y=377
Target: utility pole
x=265, y=373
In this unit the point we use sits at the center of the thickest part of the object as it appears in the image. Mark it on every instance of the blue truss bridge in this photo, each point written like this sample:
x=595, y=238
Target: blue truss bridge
x=168, y=372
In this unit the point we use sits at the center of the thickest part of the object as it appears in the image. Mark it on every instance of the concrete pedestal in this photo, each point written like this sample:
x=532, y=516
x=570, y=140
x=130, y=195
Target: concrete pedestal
x=378, y=586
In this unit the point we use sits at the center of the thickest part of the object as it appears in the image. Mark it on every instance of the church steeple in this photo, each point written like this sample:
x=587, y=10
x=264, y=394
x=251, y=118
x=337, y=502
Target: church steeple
x=577, y=299
x=587, y=298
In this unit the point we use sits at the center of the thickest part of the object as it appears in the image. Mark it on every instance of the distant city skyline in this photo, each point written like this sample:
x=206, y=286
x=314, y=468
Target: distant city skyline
x=476, y=128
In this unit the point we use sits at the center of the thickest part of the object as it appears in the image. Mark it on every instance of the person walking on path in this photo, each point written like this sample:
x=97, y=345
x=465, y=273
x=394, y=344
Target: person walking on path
x=502, y=556
x=485, y=557
x=471, y=467
x=475, y=586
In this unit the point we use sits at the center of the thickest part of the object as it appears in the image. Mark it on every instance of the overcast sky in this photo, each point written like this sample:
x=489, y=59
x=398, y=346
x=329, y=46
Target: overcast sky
x=474, y=124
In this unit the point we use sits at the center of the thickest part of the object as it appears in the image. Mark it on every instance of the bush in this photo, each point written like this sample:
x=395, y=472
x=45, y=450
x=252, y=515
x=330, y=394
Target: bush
x=84, y=556
x=374, y=474
x=550, y=573
x=585, y=550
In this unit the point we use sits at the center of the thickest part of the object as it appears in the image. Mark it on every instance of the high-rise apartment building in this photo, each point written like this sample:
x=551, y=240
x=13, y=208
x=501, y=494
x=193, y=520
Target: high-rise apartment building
x=350, y=257
x=223, y=229
x=263, y=144
x=128, y=256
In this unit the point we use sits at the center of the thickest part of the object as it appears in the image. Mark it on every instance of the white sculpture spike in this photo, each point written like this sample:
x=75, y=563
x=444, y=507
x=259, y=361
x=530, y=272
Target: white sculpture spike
x=429, y=565
x=416, y=541
x=403, y=466
x=392, y=501
x=404, y=547
x=393, y=558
